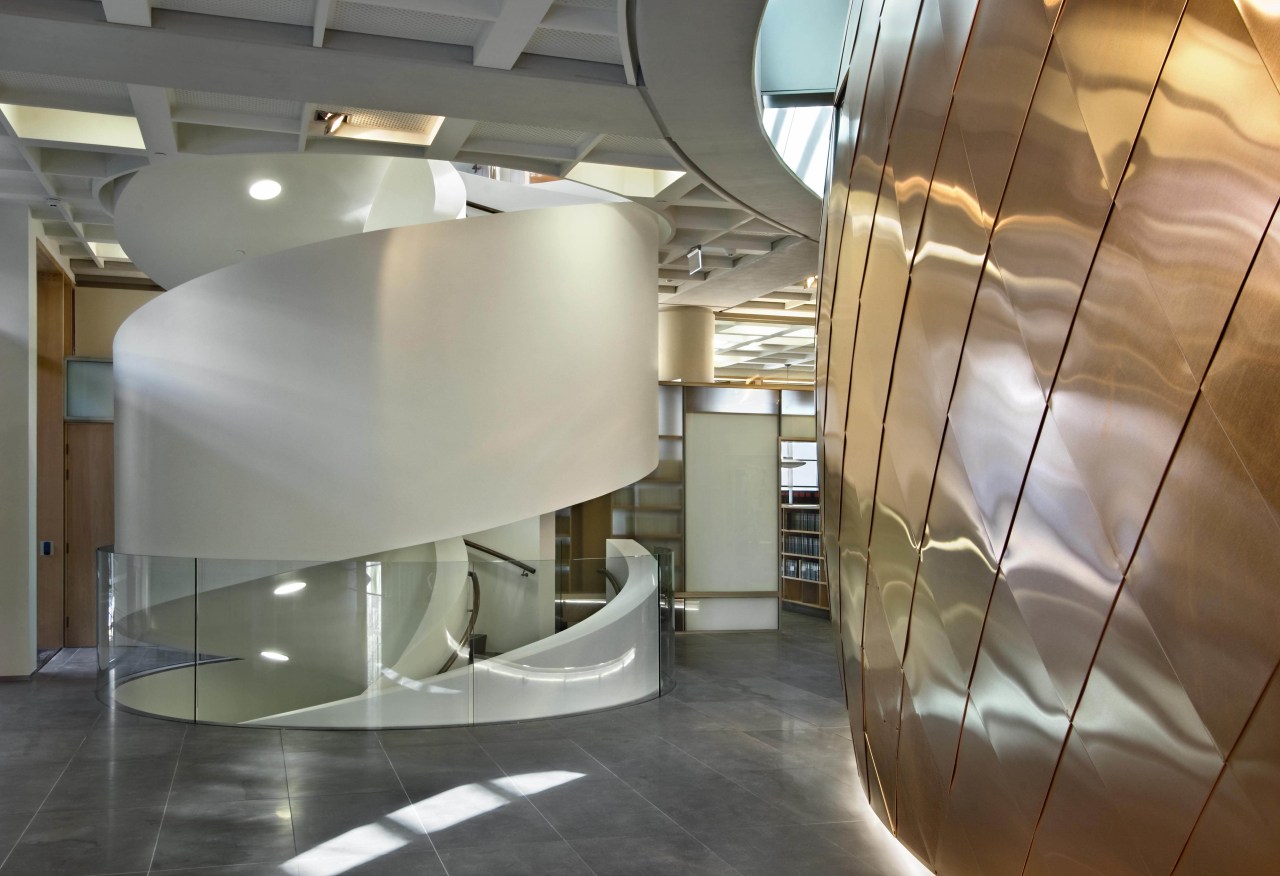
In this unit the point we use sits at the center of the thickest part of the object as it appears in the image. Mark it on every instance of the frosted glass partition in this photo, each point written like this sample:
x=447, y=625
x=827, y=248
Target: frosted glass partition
x=395, y=639
x=90, y=390
x=730, y=400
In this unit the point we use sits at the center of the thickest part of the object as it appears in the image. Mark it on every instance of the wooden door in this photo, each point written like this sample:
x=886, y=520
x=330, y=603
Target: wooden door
x=90, y=524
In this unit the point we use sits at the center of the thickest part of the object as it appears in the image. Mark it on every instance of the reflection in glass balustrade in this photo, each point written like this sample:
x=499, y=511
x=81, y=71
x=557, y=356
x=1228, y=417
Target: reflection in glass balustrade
x=433, y=635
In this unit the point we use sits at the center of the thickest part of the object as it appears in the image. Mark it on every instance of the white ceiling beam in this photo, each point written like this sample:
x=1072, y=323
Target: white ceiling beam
x=199, y=52
x=245, y=121
x=485, y=10
x=624, y=42
x=320, y=21
x=584, y=149
x=450, y=138
x=135, y=12
x=504, y=40
x=52, y=198
x=579, y=19
x=304, y=125
x=152, y=109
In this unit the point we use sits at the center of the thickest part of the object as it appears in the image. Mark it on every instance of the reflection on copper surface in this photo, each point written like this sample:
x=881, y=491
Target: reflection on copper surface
x=1052, y=399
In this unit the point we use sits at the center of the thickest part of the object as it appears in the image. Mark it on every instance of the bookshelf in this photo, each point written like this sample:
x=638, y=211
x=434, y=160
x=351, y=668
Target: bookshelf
x=801, y=568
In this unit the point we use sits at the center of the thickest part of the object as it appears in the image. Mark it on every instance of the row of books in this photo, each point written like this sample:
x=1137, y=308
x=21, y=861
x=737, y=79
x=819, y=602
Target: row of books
x=801, y=519
x=807, y=570
x=801, y=544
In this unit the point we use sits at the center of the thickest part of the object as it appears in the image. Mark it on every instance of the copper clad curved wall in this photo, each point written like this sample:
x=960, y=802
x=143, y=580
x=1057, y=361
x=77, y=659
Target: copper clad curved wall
x=1050, y=333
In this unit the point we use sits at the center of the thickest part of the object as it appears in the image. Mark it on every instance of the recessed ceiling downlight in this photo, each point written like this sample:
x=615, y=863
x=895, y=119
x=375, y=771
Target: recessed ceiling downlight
x=264, y=189
x=276, y=656
x=290, y=587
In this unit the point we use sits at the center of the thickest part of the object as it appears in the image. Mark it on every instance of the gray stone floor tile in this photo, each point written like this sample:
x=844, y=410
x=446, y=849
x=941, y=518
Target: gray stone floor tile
x=423, y=785
x=811, y=796
x=555, y=858
x=482, y=817
x=11, y=827
x=81, y=843
x=751, y=715
x=735, y=755
x=25, y=785
x=344, y=821
x=330, y=740
x=593, y=807
x=109, y=741
x=255, y=776
x=248, y=832
x=769, y=850
x=701, y=800
x=395, y=739
x=235, y=870
x=669, y=855
x=113, y=784
x=445, y=756
x=46, y=746
x=541, y=755
x=312, y=773
x=515, y=732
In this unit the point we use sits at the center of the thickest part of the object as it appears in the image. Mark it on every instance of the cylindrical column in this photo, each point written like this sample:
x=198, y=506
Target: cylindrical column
x=686, y=348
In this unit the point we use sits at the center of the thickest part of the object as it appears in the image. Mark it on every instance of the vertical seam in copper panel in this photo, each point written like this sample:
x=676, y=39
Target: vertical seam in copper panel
x=844, y=225
x=973, y=306
x=1201, y=399
x=1177, y=444
x=1222, y=772
x=893, y=361
x=1137, y=138
x=1044, y=805
x=933, y=480
x=862, y=286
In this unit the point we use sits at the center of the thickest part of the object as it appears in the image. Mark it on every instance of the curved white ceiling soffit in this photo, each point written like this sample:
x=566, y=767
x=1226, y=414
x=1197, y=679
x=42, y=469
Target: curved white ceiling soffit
x=182, y=219
x=695, y=65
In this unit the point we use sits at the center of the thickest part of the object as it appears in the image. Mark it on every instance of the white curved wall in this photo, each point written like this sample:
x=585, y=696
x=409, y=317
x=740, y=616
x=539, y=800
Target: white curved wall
x=389, y=389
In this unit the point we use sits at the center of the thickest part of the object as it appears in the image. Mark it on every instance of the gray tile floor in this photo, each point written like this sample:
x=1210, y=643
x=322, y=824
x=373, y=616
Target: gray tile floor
x=746, y=768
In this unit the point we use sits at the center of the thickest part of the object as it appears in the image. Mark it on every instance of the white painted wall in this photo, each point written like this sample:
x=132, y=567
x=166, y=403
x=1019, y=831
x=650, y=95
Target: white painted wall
x=17, y=442
x=391, y=388
x=731, y=517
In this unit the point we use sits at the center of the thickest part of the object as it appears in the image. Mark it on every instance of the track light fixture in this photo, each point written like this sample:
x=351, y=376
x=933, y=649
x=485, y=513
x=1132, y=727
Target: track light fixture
x=332, y=121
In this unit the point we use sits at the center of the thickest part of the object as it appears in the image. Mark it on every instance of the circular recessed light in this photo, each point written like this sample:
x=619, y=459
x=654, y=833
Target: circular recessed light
x=264, y=189
x=290, y=587
x=276, y=656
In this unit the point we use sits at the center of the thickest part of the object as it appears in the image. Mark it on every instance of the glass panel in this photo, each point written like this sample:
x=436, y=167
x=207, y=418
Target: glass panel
x=146, y=633
x=434, y=635
x=90, y=390
x=731, y=400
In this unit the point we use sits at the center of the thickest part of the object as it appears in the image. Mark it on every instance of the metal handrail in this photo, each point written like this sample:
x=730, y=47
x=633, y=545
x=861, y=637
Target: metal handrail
x=471, y=624
x=617, y=588
x=525, y=569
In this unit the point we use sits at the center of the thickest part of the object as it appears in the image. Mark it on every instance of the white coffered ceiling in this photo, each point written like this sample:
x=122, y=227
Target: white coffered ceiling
x=540, y=85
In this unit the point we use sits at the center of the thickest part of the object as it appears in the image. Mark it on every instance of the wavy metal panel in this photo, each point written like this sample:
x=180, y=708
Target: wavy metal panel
x=1209, y=533
x=1239, y=830
x=1066, y=355
x=1050, y=224
x=1061, y=570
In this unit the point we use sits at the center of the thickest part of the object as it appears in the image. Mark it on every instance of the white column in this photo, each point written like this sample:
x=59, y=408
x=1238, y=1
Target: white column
x=686, y=348
x=17, y=442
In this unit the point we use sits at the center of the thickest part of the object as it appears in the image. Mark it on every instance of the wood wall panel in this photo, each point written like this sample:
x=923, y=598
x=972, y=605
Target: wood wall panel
x=90, y=523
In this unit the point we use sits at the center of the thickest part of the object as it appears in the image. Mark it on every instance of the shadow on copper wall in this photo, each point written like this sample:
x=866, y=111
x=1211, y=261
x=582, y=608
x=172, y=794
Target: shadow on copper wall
x=1050, y=335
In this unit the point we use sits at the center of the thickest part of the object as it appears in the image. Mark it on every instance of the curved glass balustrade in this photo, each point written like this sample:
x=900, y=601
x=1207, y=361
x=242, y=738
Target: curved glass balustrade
x=419, y=637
